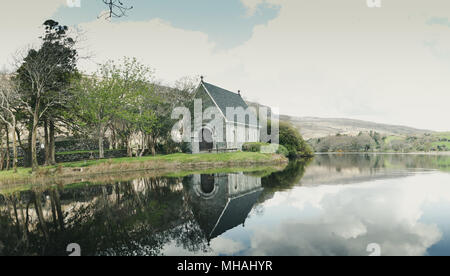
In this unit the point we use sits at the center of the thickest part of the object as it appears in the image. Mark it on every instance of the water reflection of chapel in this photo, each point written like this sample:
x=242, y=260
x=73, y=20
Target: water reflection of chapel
x=221, y=202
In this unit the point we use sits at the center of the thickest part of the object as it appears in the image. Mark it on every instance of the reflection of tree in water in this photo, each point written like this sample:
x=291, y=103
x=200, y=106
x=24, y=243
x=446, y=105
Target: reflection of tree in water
x=284, y=180
x=128, y=218
x=350, y=161
x=383, y=161
x=139, y=217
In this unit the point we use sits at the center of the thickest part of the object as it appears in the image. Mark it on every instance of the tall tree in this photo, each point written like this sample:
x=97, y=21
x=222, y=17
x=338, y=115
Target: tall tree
x=45, y=74
x=96, y=102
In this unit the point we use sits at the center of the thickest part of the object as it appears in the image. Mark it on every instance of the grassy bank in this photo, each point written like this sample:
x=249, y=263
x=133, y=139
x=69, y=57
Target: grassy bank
x=158, y=165
x=71, y=182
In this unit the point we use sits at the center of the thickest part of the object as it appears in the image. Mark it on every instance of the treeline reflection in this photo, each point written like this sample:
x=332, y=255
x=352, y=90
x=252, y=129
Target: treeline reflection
x=145, y=215
x=137, y=217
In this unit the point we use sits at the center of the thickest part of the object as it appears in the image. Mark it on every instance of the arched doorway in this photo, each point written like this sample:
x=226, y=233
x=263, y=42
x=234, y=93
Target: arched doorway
x=206, y=140
x=207, y=184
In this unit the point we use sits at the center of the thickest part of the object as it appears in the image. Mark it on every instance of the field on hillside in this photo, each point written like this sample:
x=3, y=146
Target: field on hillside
x=376, y=142
x=311, y=127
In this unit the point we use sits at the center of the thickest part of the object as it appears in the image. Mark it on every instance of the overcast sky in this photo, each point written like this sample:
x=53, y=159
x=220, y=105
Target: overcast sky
x=321, y=58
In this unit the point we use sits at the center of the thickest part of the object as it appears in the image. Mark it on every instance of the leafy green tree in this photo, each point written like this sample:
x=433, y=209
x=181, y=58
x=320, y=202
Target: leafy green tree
x=293, y=141
x=116, y=98
x=153, y=122
x=97, y=101
x=44, y=74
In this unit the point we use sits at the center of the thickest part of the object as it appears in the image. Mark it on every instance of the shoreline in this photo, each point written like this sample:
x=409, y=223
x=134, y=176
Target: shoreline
x=176, y=164
x=441, y=153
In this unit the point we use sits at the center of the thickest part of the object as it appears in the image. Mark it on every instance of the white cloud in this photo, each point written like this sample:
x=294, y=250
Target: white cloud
x=223, y=246
x=334, y=58
x=20, y=24
x=317, y=58
x=349, y=217
x=173, y=52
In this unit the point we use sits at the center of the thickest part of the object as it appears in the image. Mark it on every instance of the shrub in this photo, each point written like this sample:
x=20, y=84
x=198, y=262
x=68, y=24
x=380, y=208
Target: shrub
x=253, y=147
x=283, y=151
x=269, y=148
x=186, y=147
x=293, y=141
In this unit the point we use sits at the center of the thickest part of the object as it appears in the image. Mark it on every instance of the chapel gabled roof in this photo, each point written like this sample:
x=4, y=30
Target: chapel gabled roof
x=235, y=213
x=224, y=98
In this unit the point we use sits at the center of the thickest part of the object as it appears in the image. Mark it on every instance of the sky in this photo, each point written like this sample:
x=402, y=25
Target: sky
x=319, y=58
x=401, y=214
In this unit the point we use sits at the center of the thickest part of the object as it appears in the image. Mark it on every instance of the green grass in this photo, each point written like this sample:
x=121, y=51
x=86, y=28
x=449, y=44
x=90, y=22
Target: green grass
x=81, y=151
x=435, y=144
x=21, y=172
x=442, y=135
x=179, y=159
x=260, y=171
x=391, y=138
x=219, y=163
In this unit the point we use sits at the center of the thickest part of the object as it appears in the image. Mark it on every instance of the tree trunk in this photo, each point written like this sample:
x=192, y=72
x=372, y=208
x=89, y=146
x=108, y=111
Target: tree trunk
x=7, y=148
x=153, y=146
x=129, y=150
x=40, y=214
x=14, y=146
x=52, y=142
x=2, y=160
x=53, y=208
x=101, y=150
x=58, y=207
x=112, y=141
x=28, y=148
x=2, y=153
x=13, y=201
x=143, y=145
x=24, y=225
x=46, y=143
x=34, y=162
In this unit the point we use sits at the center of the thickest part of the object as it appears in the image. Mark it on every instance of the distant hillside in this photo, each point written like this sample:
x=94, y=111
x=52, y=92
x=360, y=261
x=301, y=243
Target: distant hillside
x=311, y=127
x=349, y=135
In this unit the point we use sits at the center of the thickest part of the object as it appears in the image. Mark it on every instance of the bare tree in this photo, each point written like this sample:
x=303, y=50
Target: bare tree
x=116, y=8
x=9, y=101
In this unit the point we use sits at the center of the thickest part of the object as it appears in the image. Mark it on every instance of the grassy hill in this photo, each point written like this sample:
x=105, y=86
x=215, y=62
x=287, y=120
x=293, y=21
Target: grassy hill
x=349, y=135
x=375, y=142
x=311, y=127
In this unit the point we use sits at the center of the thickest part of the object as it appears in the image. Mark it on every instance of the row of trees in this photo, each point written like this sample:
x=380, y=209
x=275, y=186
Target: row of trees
x=364, y=142
x=123, y=100
x=48, y=94
x=38, y=91
x=375, y=142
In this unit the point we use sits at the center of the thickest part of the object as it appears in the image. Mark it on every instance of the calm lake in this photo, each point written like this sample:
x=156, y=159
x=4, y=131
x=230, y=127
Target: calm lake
x=331, y=205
